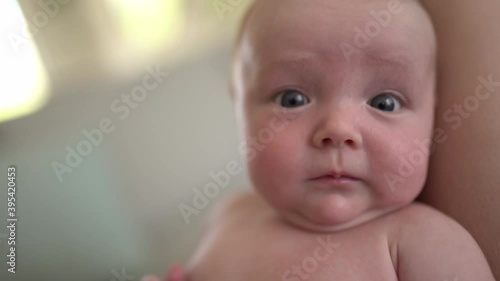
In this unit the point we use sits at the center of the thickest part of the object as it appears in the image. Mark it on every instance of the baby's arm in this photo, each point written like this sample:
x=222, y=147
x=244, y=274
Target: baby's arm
x=433, y=247
x=225, y=212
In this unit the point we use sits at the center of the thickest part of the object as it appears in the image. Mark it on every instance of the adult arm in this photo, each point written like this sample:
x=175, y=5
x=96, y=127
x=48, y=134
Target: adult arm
x=464, y=173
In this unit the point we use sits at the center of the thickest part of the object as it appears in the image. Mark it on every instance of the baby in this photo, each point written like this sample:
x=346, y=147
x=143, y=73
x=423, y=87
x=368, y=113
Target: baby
x=341, y=96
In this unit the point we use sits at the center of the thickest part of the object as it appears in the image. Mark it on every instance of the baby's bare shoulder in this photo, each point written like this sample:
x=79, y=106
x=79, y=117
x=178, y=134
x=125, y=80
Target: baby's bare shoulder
x=432, y=246
x=241, y=200
x=233, y=210
x=237, y=204
x=419, y=222
x=418, y=218
x=418, y=212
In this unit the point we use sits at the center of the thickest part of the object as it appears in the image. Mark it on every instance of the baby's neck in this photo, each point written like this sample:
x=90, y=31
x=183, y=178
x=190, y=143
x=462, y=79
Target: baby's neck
x=302, y=223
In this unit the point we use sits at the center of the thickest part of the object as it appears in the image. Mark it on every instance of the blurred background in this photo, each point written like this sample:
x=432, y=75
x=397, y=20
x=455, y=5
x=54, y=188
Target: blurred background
x=115, y=113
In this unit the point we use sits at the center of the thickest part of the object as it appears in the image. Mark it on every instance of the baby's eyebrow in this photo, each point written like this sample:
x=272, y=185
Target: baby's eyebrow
x=395, y=68
x=293, y=66
x=399, y=65
x=398, y=70
x=284, y=62
x=391, y=61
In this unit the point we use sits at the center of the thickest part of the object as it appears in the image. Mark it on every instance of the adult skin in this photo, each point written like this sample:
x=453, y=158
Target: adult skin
x=464, y=178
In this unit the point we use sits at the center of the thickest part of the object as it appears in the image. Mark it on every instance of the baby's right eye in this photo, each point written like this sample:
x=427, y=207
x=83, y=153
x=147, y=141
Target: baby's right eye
x=291, y=99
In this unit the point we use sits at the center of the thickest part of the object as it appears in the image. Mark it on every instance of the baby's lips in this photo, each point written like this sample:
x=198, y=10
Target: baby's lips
x=335, y=175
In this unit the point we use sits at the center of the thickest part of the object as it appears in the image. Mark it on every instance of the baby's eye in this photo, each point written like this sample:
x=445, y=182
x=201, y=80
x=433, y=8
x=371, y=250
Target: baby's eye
x=386, y=102
x=291, y=99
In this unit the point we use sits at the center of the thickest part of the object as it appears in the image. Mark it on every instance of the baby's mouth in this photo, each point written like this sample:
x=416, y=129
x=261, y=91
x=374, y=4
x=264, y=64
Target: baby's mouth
x=335, y=180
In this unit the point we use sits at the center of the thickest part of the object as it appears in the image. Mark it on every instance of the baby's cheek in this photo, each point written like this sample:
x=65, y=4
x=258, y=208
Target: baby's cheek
x=276, y=168
x=275, y=159
x=402, y=173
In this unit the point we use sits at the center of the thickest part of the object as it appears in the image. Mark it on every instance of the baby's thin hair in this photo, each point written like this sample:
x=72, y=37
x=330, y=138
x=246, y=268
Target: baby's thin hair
x=237, y=42
x=241, y=28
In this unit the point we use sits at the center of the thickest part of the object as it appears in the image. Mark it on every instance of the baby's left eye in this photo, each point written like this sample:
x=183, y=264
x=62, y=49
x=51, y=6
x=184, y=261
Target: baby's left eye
x=386, y=102
x=291, y=99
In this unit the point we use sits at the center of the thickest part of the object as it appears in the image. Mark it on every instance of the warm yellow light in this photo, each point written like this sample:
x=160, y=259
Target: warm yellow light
x=24, y=88
x=148, y=25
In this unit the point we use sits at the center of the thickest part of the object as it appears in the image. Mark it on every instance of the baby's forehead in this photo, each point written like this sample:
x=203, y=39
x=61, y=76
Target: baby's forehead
x=330, y=8
x=342, y=28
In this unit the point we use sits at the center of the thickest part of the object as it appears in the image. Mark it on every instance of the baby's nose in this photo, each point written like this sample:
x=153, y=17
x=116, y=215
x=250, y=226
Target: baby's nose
x=338, y=131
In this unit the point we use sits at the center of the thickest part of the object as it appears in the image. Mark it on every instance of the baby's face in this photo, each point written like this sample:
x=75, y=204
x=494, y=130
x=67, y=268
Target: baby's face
x=329, y=131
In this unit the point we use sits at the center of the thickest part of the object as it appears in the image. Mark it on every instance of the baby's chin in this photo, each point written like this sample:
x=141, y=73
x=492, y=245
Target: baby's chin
x=336, y=222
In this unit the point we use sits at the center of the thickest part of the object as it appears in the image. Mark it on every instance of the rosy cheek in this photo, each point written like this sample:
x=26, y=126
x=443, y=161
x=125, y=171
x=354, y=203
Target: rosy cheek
x=276, y=165
x=401, y=174
x=277, y=157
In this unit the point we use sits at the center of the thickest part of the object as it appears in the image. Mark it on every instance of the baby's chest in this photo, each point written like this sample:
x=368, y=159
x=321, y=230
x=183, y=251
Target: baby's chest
x=311, y=257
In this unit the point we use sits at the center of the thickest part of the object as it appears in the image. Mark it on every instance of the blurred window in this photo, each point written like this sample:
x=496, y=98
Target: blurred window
x=23, y=80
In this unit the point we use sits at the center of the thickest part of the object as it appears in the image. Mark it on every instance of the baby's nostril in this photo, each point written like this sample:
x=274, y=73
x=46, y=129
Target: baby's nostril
x=327, y=141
